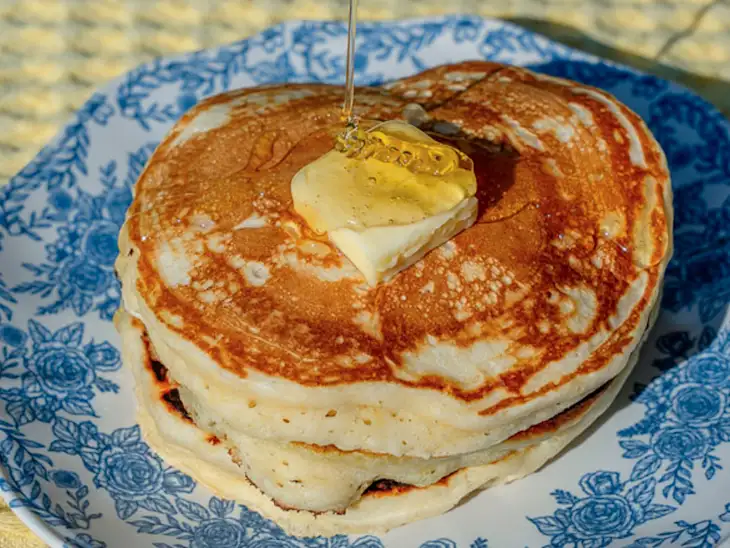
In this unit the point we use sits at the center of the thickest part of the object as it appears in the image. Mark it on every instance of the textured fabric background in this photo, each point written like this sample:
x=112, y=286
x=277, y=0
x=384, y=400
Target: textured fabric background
x=53, y=53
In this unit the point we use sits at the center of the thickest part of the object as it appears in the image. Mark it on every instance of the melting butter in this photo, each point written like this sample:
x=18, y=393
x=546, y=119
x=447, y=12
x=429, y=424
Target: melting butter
x=393, y=174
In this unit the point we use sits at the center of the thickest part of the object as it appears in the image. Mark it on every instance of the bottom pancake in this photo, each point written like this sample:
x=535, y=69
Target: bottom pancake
x=171, y=432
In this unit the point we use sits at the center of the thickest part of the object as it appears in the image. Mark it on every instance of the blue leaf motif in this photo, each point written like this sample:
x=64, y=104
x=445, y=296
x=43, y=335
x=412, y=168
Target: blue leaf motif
x=60, y=446
x=596, y=542
x=564, y=497
x=707, y=336
x=88, y=434
x=645, y=467
x=643, y=493
x=634, y=448
x=71, y=335
x=105, y=385
x=711, y=305
x=192, y=510
x=65, y=430
x=221, y=507
x=548, y=525
x=156, y=504
x=21, y=412
x=126, y=437
x=656, y=511
x=125, y=508
x=77, y=406
x=38, y=333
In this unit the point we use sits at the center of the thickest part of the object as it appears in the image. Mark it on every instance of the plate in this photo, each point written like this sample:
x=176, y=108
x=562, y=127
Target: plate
x=74, y=467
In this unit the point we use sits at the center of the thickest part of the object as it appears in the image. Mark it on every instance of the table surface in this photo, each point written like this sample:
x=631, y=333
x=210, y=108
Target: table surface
x=53, y=53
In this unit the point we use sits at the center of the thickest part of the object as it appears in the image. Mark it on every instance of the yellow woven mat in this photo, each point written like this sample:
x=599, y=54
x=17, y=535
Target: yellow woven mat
x=54, y=52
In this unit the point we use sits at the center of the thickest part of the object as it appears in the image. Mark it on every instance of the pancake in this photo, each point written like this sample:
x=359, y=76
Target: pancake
x=273, y=332
x=169, y=429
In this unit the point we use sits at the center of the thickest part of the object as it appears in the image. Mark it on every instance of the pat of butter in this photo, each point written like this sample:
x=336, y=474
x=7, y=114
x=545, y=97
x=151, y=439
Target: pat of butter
x=388, y=200
x=379, y=253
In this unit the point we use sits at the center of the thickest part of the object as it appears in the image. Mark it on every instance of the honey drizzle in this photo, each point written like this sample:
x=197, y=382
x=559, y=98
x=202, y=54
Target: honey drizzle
x=355, y=142
x=347, y=107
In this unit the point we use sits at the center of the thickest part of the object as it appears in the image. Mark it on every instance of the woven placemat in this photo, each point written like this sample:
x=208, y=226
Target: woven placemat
x=53, y=53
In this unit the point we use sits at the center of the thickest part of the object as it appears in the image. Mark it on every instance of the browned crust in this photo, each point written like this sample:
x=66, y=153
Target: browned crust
x=259, y=153
x=169, y=394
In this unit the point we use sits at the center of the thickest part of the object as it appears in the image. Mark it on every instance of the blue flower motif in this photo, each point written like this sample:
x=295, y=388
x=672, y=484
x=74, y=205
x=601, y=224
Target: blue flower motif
x=65, y=479
x=601, y=483
x=679, y=443
x=687, y=414
x=79, y=267
x=697, y=405
x=600, y=516
x=60, y=373
x=710, y=369
x=609, y=511
x=100, y=245
x=681, y=157
x=123, y=465
x=61, y=370
x=223, y=523
x=131, y=476
x=219, y=532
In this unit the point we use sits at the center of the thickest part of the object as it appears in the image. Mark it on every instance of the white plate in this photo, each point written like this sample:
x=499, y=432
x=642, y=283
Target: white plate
x=654, y=473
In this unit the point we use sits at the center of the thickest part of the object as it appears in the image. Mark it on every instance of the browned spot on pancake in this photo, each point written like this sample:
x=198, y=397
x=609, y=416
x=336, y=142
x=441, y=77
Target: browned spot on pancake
x=137, y=324
x=288, y=508
x=392, y=487
x=159, y=370
x=298, y=327
x=168, y=392
x=174, y=403
x=389, y=488
x=334, y=449
x=553, y=424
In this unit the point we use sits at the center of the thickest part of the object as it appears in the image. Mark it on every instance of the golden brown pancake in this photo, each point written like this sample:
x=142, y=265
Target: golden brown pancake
x=515, y=319
x=278, y=377
x=384, y=504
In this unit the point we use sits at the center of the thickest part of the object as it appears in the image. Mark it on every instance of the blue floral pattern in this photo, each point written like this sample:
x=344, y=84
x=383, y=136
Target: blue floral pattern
x=70, y=462
x=610, y=510
x=79, y=268
x=123, y=465
x=58, y=166
x=687, y=416
x=60, y=373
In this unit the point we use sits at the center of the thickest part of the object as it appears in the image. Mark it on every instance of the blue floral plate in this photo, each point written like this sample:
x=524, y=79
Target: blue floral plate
x=73, y=464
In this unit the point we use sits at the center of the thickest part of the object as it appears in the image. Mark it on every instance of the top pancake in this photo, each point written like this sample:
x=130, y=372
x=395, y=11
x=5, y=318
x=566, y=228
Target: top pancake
x=536, y=305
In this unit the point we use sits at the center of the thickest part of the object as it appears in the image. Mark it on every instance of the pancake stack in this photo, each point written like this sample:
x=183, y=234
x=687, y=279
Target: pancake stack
x=269, y=370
